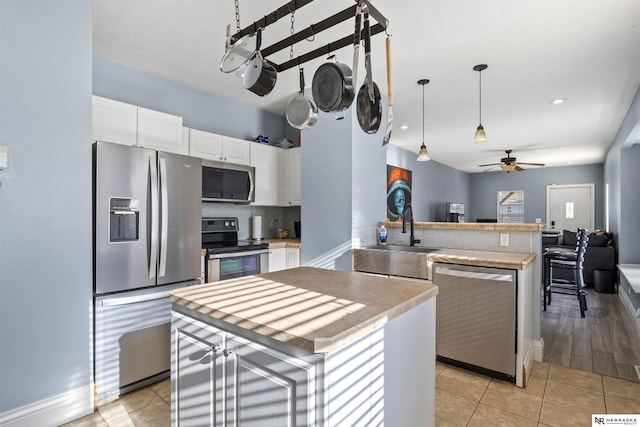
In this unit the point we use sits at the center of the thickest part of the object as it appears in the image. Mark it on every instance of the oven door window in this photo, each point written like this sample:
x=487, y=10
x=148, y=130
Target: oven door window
x=240, y=266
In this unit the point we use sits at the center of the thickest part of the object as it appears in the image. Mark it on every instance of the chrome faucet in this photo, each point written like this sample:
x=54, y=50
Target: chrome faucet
x=408, y=212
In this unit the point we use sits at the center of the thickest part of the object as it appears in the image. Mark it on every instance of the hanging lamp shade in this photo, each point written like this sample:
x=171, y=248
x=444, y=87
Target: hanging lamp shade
x=480, y=135
x=423, y=154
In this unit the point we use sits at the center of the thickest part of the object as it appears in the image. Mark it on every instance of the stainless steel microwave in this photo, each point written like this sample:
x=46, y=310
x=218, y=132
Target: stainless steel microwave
x=224, y=182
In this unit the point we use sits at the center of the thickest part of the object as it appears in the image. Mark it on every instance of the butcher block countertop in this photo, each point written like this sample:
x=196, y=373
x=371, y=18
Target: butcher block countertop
x=477, y=226
x=314, y=309
x=283, y=243
x=513, y=260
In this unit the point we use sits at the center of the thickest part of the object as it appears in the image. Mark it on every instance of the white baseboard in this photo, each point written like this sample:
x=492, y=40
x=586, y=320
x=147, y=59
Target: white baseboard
x=53, y=411
x=538, y=350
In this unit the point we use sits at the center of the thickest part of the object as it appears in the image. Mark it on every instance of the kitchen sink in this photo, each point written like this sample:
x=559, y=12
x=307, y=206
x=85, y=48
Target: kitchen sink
x=394, y=260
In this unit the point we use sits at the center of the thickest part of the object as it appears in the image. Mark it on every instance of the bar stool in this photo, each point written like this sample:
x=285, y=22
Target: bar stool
x=564, y=259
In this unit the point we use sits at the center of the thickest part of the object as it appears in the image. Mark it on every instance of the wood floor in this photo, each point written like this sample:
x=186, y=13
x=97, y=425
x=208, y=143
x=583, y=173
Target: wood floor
x=605, y=341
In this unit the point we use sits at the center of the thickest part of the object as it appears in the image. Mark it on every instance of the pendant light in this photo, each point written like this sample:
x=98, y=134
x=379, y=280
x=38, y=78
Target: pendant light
x=480, y=135
x=423, y=155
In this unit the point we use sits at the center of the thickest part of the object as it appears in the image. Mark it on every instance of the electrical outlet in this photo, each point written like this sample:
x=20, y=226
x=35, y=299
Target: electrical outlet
x=504, y=240
x=538, y=220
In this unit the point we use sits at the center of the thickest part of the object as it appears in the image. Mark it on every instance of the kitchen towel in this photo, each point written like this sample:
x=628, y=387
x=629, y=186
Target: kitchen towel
x=256, y=227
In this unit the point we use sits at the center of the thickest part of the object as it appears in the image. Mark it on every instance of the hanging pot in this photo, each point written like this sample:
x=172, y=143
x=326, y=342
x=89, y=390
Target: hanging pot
x=369, y=107
x=332, y=86
x=260, y=76
x=302, y=112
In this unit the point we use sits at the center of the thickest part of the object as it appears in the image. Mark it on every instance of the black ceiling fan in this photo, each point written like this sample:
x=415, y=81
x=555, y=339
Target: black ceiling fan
x=509, y=163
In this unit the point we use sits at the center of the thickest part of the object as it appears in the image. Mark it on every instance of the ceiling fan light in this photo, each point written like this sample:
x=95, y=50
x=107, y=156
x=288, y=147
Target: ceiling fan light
x=480, y=136
x=423, y=154
x=508, y=168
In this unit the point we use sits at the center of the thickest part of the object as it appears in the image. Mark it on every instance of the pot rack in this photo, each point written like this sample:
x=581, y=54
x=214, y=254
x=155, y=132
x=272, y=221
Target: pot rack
x=310, y=31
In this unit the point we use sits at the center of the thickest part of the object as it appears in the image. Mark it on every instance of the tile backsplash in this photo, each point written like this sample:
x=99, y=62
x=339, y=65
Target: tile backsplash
x=273, y=217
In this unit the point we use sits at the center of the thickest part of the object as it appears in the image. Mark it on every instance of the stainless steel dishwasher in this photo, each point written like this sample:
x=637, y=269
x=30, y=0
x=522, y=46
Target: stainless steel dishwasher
x=476, y=318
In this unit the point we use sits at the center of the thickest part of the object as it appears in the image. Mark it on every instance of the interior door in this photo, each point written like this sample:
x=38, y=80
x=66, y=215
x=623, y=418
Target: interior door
x=570, y=207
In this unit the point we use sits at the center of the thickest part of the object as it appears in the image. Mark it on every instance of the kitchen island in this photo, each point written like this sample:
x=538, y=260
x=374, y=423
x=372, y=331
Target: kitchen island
x=304, y=346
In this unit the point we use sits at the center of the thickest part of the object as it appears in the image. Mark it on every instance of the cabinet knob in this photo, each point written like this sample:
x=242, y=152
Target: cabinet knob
x=216, y=348
x=227, y=352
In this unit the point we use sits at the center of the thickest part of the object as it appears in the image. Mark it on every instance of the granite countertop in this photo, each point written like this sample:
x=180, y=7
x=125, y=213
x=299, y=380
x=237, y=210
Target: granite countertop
x=478, y=226
x=310, y=308
x=513, y=260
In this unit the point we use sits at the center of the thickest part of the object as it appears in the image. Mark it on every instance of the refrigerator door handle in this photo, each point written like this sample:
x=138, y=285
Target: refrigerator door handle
x=164, y=218
x=153, y=227
x=114, y=302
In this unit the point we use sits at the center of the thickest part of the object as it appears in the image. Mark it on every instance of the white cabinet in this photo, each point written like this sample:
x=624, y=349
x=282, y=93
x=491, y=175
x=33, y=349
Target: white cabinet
x=127, y=124
x=293, y=257
x=205, y=145
x=277, y=259
x=294, y=178
x=160, y=131
x=220, y=148
x=218, y=376
x=114, y=121
x=236, y=150
x=265, y=159
x=289, y=177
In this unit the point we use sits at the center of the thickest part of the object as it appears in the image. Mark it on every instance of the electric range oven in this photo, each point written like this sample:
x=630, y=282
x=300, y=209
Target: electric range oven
x=228, y=257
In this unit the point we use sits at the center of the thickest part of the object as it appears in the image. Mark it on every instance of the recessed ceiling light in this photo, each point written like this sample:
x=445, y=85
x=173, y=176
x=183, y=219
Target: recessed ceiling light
x=404, y=127
x=569, y=162
x=558, y=101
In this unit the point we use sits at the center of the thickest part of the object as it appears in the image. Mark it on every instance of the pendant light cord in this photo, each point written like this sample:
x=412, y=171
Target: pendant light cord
x=423, y=113
x=480, y=98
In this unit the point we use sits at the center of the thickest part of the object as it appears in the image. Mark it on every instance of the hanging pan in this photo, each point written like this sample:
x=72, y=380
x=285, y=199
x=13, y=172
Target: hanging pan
x=302, y=112
x=260, y=76
x=369, y=107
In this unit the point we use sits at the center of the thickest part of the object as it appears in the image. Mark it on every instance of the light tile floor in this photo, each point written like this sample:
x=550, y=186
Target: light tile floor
x=555, y=396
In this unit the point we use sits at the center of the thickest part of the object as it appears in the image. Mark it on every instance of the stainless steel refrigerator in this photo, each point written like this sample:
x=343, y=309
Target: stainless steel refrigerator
x=147, y=242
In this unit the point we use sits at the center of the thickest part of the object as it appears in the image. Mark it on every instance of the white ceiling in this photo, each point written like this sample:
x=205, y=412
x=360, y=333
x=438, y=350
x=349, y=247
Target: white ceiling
x=585, y=51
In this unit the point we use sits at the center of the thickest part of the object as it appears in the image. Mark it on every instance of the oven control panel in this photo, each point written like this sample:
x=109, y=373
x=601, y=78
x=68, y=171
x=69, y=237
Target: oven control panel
x=219, y=225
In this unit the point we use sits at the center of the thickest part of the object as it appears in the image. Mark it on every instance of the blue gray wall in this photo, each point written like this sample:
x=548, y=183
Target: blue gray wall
x=622, y=175
x=45, y=201
x=485, y=186
x=433, y=185
x=200, y=110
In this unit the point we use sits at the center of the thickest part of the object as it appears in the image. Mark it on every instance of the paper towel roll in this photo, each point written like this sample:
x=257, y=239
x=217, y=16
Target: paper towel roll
x=256, y=227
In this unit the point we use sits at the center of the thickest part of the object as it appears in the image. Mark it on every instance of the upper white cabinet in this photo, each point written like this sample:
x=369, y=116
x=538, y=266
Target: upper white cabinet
x=127, y=124
x=160, y=131
x=289, y=177
x=265, y=159
x=220, y=148
x=294, y=178
x=205, y=145
x=236, y=150
x=114, y=121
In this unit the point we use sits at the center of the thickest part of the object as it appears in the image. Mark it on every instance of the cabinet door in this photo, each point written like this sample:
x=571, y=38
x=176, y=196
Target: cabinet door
x=293, y=257
x=265, y=159
x=294, y=179
x=206, y=145
x=197, y=382
x=266, y=387
x=277, y=259
x=160, y=131
x=236, y=151
x=114, y=121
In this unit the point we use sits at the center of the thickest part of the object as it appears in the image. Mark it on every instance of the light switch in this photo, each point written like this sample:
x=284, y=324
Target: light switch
x=4, y=157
